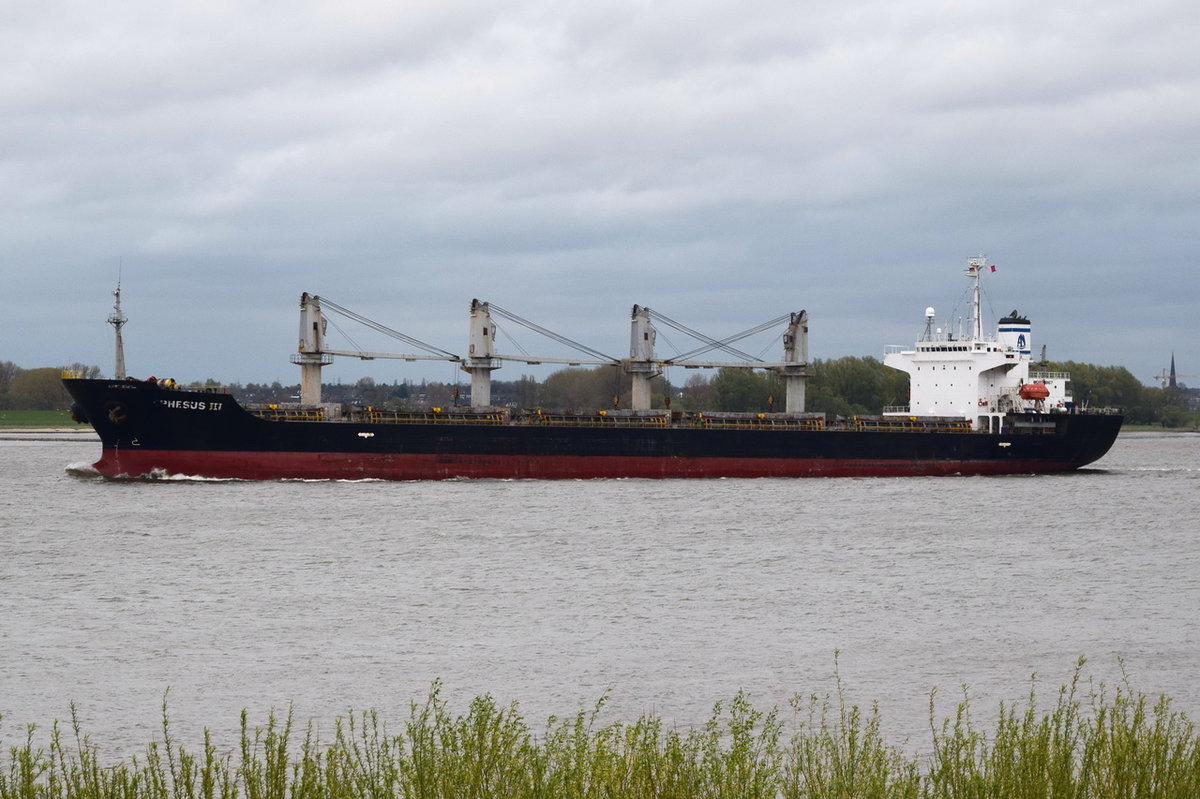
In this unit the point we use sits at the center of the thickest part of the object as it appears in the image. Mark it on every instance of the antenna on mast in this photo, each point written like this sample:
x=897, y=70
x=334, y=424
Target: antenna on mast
x=118, y=319
x=974, y=267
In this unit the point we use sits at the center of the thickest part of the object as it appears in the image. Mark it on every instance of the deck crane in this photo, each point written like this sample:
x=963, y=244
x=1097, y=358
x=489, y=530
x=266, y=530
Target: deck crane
x=642, y=365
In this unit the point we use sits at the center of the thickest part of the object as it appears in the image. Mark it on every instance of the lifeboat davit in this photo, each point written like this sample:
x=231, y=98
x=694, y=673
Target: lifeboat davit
x=1034, y=391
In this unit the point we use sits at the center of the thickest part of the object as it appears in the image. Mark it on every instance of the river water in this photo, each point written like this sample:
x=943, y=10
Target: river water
x=665, y=595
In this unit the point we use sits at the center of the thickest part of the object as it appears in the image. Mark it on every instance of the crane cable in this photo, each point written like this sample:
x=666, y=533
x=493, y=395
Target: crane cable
x=387, y=331
x=550, y=333
x=723, y=344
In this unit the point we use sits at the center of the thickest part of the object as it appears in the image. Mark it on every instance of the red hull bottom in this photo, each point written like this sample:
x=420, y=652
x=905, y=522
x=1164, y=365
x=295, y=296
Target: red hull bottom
x=358, y=466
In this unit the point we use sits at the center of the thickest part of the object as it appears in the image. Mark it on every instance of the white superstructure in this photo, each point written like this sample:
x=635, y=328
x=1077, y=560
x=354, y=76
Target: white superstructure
x=972, y=376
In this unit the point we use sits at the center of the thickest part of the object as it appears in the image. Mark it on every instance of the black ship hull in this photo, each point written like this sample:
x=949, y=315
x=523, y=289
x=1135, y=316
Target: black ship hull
x=147, y=430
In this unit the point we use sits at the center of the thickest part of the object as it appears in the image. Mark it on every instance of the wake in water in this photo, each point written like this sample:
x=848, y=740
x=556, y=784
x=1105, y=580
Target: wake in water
x=86, y=471
x=82, y=469
x=156, y=475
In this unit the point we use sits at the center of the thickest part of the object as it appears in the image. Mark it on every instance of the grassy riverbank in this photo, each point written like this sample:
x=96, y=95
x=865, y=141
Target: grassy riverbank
x=1107, y=743
x=17, y=420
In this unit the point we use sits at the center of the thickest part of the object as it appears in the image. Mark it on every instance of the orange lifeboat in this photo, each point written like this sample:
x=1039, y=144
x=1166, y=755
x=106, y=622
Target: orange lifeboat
x=1034, y=391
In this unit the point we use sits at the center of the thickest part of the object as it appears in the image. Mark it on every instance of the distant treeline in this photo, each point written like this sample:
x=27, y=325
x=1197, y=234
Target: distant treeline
x=840, y=386
x=38, y=389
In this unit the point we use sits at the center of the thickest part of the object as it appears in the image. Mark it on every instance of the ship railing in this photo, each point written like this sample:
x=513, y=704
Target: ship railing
x=895, y=409
x=432, y=416
x=758, y=421
x=1074, y=408
x=279, y=413
x=1049, y=375
x=910, y=424
x=600, y=419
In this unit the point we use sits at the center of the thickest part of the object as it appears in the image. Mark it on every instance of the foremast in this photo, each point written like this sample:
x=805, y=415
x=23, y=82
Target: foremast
x=118, y=319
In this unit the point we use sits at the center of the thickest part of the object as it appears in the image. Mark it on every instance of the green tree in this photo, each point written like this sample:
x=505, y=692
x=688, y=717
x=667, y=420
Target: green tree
x=695, y=394
x=82, y=370
x=8, y=373
x=368, y=392
x=438, y=394
x=528, y=391
x=853, y=386
x=1172, y=416
x=585, y=389
x=1170, y=407
x=744, y=390
x=39, y=390
x=1109, y=387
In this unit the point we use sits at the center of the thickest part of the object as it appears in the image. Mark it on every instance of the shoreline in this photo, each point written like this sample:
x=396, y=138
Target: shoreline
x=48, y=434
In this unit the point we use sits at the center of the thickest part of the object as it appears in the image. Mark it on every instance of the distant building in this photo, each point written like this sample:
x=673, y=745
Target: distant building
x=1190, y=395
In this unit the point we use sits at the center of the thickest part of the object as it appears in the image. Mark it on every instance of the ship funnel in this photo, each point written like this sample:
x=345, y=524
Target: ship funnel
x=1015, y=333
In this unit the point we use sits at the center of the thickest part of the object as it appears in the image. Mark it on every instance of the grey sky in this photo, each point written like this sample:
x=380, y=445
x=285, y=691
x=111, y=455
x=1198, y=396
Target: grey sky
x=721, y=162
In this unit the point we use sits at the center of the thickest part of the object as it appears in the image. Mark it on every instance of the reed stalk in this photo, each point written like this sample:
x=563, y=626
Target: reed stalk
x=1091, y=743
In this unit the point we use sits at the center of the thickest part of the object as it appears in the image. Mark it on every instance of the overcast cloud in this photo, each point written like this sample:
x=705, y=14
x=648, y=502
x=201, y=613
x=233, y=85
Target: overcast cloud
x=721, y=162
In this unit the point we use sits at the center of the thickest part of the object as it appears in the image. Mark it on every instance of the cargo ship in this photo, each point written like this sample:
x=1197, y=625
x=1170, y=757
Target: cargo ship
x=977, y=406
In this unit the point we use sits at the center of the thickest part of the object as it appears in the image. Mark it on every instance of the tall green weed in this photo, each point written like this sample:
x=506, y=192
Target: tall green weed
x=1092, y=743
